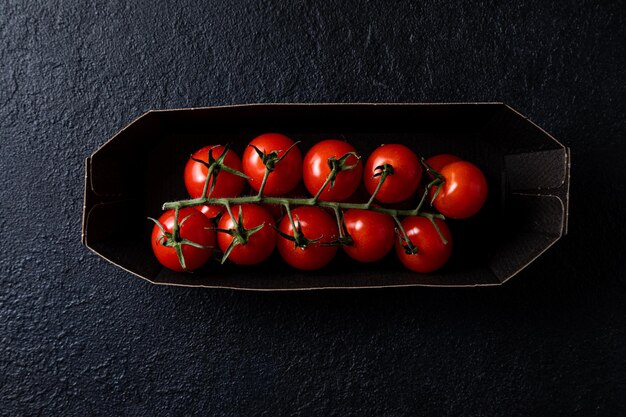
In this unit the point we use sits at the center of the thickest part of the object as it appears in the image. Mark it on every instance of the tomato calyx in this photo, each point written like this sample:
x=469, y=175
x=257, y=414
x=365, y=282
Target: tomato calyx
x=214, y=166
x=298, y=238
x=336, y=166
x=270, y=159
x=341, y=164
x=405, y=242
x=174, y=240
x=240, y=234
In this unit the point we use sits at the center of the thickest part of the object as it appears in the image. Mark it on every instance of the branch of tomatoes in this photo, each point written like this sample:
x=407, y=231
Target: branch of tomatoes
x=396, y=164
x=337, y=165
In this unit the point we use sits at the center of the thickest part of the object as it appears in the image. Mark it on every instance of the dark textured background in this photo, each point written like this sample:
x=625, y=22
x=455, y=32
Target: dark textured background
x=80, y=337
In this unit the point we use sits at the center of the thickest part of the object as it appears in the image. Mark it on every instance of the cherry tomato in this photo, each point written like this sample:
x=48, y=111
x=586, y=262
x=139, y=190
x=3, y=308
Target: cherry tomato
x=372, y=234
x=316, y=170
x=287, y=172
x=211, y=211
x=260, y=244
x=464, y=191
x=315, y=224
x=437, y=162
x=227, y=184
x=407, y=173
x=432, y=253
x=193, y=227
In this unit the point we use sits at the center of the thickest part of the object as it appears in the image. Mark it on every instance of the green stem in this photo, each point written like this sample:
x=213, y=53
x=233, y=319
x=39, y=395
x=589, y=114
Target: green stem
x=263, y=182
x=297, y=237
x=409, y=244
x=226, y=204
x=176, y=228
x=386, y=171
x=436, y=181
x=208, y=179
x=321, y=190
x=295, y=202
x=339, y=225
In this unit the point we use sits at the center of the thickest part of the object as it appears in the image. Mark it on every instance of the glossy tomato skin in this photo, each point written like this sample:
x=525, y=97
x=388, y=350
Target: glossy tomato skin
x=315, y=223
x=286, y=174
x=260, y=244
x=437, y=162
x=432, y=252
x=227, y=185
x=406, y=177
x=316, y=170
x=464, y=192
x=193, y=229
x=372, y=234
x=211, y=211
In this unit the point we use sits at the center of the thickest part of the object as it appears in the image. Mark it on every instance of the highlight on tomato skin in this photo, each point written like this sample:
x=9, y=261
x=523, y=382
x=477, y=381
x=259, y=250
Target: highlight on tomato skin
x=406, y=177
x=463, y=192
x=318, y=227
x=211, y=211
x=286, y=174
x=316, y=170
x=432, y=252
x=227, y=185
x=196, y=228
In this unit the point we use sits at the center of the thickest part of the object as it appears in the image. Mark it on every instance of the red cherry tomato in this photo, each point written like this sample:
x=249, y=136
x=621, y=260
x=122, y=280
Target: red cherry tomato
x=464, y=191
x=407, y=173
x=432, y=253
x=316, y=170
x=260, y=244
x=193, y=228
x=372, y=235
x=227, y=185
x=286, y=173
x=437, y=162
x=315, y=223
x=211, y=211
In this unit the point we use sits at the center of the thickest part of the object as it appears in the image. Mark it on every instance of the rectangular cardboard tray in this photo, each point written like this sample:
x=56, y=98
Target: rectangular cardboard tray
x=136, y=171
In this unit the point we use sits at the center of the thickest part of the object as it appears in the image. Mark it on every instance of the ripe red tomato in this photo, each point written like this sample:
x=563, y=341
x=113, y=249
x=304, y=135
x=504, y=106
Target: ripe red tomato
x=211, y=211
x=260, y=244
x=432, y=253
x=314, y=223
x=464, y=191
x=286, y=173
x=227, y=185
x=437, y=162
x=193, y=227
x=407, y=173
x=372, y=234
x=316, y=170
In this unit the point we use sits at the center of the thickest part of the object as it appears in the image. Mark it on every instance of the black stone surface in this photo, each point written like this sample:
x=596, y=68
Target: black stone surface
x=80, y=337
